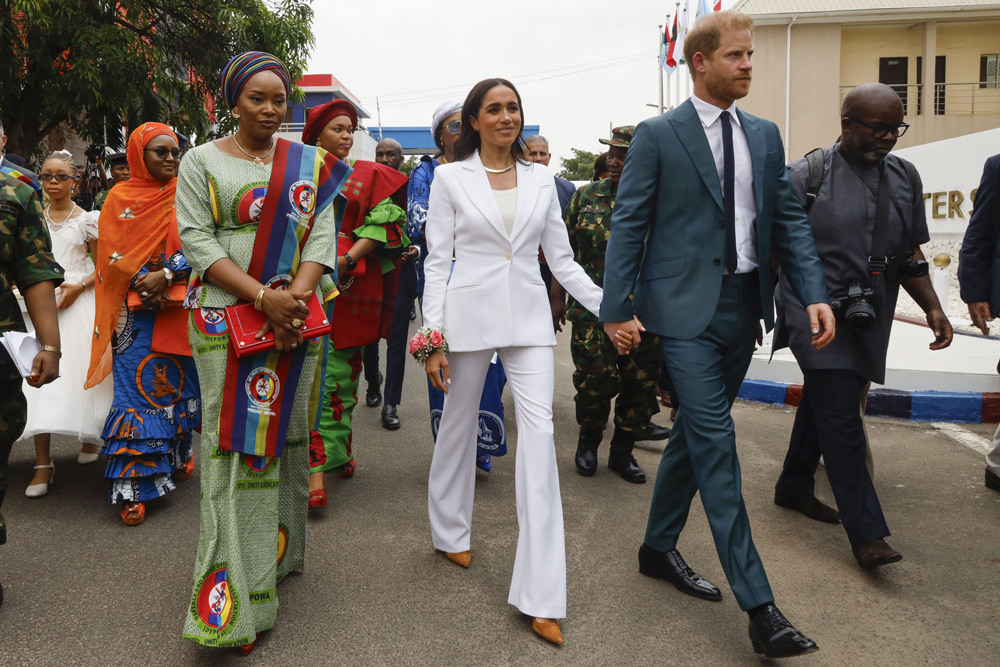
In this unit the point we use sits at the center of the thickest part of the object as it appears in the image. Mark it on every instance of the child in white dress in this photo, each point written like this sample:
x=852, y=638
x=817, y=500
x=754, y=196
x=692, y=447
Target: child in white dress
x=63, y=406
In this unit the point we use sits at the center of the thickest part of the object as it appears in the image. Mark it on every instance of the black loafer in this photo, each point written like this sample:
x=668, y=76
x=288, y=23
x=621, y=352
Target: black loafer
x=628, y=469
x=652, y=432
x=670, y=565
x=772, y=635
x=390, y=420
x=811, y=507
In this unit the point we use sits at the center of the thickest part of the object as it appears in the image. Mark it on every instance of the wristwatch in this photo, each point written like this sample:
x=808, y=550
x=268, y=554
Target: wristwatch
x=53, y=349
x=167, y=273
x=351, y=264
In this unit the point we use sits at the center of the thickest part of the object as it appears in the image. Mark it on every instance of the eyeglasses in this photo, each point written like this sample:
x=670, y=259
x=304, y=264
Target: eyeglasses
x=454, y=127
x=62, y=178
x=162, y=152
x=880, y=130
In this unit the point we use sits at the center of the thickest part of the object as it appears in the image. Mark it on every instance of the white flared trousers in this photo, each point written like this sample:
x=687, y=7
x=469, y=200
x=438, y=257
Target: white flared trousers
x=538, y=585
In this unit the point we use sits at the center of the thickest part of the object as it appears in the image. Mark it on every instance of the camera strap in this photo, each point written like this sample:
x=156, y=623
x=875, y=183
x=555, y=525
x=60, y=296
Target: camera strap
x=877, y=260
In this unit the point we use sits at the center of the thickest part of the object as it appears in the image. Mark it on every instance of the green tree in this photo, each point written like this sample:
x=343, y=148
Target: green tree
x=99, y=65
x=580, y=167
x=409, y=164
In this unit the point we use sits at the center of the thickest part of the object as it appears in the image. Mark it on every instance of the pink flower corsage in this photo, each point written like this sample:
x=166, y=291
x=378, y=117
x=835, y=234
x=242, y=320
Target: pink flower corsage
x=426, y=342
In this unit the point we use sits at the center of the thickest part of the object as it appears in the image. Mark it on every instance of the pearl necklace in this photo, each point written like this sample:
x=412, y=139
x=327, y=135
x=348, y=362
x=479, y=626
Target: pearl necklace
x=500, y=171
x=49, y=219
x=256, y=160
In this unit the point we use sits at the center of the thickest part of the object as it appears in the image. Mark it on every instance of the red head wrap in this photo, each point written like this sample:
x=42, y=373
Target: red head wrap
x=323, y=114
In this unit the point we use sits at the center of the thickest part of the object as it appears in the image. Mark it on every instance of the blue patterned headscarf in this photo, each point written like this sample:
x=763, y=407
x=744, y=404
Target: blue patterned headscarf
x=239, y=70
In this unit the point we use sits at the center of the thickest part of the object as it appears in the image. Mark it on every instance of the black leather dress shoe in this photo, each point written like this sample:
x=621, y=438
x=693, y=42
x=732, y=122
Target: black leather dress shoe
x=586, y=451
x=772, y=635
x=390, y=420
x=652, y=432
x=811, y=507
x=670, y=565
x=992, y=481
x=628, y=469
x=373, y=396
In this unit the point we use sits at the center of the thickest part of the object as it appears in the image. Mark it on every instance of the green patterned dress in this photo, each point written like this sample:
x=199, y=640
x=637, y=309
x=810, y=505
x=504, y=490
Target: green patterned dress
x=253, y=509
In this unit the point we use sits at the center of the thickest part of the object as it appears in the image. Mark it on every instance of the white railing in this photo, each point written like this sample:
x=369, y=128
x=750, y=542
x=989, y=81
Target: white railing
x=951, y=98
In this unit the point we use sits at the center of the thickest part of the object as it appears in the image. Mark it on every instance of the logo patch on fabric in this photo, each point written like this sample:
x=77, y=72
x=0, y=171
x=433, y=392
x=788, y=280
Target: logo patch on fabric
x=490, y=431
x=262, y=387
x=250, y=206
x=258, y=464
x=302, y=195
x=215, y=606
x=282, y=542
x=279, y=282
x=435, y=421
x=210, y=321
x=160, y=380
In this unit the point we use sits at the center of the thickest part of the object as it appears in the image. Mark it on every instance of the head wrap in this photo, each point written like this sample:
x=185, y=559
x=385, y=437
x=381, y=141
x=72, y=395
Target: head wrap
x=442, y=112
x=239, y=70
x=137, y=223
x=323, y=114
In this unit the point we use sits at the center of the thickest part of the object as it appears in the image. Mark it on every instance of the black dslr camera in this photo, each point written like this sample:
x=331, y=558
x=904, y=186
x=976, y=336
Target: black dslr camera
x=856, y=307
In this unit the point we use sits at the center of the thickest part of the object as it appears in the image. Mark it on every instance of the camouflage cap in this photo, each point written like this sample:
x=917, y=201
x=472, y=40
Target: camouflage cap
x=620, y=136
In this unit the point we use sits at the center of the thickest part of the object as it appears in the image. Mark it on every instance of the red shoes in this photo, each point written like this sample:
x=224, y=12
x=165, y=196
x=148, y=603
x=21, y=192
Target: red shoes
x=185, y=472
x=317, y=498
x=133, y=513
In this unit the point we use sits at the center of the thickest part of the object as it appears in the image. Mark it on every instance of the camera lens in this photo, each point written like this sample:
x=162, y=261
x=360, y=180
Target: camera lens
x=860, y=315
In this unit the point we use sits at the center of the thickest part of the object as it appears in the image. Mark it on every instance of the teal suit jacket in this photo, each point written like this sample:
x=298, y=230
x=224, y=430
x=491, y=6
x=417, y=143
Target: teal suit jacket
x=668, y=230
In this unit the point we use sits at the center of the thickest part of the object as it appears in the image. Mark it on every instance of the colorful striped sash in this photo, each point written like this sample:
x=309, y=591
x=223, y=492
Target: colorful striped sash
x=259, y=390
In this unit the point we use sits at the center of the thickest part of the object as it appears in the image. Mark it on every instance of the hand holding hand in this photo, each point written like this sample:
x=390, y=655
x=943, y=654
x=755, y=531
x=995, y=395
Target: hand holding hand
x=284, y=306
x=624, y=335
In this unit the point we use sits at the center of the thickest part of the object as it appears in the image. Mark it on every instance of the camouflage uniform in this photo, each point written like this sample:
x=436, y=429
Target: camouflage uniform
x=601, y=373
x=25, y=259
x=99, y=199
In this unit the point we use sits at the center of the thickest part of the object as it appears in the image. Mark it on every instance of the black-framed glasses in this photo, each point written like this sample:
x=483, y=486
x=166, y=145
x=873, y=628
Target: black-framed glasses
x=880, y=130
x=62, y=178
x=162, y=152
x=454, y=127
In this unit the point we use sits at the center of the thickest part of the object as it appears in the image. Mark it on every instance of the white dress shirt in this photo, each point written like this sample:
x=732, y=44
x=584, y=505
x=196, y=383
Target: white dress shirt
x=746, y=205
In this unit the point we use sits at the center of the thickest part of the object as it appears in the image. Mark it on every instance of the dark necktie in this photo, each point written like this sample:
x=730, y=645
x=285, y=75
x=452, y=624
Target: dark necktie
x=729, y=190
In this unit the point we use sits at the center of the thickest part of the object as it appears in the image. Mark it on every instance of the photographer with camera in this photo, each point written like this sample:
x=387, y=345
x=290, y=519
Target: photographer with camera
x=866, y=211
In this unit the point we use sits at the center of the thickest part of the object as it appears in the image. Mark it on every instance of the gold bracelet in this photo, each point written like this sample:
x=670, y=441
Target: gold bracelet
x=259, y=301
x=53, y=349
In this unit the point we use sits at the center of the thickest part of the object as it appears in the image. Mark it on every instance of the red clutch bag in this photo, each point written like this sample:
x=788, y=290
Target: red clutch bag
x=244, y=321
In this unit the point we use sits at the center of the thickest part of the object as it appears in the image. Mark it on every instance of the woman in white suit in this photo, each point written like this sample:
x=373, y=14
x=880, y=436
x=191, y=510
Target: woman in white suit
x=490, y=210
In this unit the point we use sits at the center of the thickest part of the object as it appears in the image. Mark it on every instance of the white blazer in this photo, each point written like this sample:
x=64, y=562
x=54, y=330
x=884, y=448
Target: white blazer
x=495, y=296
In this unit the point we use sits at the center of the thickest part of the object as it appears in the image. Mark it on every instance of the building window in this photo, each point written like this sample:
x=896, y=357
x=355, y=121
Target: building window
x=989, y=71
x=894, y=72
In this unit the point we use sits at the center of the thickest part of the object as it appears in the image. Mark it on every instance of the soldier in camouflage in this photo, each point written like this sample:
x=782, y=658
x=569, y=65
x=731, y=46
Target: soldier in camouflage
x=25, y=260
x=601, y=373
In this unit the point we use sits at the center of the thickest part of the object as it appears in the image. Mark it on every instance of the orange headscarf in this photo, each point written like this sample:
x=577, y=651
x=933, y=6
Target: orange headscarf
x=137, y=221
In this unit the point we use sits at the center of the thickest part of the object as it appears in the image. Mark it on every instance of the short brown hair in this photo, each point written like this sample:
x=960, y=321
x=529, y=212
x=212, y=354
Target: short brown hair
x=707, y=34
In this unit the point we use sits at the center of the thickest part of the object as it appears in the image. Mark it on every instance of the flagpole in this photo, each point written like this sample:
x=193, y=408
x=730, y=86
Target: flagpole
x=659, y=67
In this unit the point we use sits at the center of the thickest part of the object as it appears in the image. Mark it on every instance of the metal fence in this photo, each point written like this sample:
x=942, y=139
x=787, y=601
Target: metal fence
x=951, y=98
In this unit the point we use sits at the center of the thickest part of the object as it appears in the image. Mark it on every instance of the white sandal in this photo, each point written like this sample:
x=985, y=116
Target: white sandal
x=84, y=458
x=39, y=490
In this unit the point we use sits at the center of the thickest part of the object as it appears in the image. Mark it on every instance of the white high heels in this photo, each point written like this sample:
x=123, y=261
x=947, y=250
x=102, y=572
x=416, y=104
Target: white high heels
x=39, y=490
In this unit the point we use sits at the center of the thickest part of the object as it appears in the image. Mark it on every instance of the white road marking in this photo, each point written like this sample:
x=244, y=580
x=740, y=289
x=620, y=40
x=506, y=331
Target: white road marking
x=964, y=436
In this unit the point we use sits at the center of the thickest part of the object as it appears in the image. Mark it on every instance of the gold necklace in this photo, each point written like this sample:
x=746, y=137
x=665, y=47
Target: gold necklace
x=256, y=160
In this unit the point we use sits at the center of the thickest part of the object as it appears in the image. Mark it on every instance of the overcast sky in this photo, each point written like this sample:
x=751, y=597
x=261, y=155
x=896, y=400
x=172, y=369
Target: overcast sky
x=581, y=66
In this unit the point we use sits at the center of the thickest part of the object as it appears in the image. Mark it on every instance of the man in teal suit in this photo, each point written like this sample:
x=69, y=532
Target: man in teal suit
x=703, y=200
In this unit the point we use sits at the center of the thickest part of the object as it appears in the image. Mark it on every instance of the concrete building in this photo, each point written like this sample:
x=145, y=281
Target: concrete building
x=320, y=89
x=809, y=53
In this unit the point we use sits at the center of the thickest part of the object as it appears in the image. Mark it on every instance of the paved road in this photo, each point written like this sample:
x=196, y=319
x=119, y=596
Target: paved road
x=83, y=589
